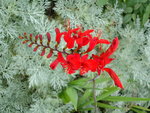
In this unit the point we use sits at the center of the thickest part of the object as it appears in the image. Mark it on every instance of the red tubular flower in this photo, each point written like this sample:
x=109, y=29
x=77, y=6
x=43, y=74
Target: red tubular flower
x=87, y=65
x=111, y=49
x=71, y=63
x=54, y=64
x=70, y=37
x=114, y=76
x=102, y=62
x=58, y=35
x=75, y=35
x=75, y=61
x=94, y=42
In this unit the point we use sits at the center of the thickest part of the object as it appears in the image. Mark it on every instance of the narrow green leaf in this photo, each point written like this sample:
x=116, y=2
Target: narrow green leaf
x=79, y=82
x=148, y=8
x=137, y=111
x=102, y=105
x=106, y=93
x=65, y=98
x=134, y=16
x=87, y=83
x=102, y=79
x=85, y=97
x=126, y=99
x=78, y=88
x=142, y=108
x=72, y=93
x=145, y=17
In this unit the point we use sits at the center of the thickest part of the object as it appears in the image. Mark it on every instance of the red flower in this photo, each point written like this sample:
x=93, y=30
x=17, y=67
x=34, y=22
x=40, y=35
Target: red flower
x=75, y=35
x=114, y=77
x=104, y=59
x=71, y=63
x=94, y=42
x=87, y=65
x=58, y=35
x=111, y=49
x=54, y=64
x=102, y=62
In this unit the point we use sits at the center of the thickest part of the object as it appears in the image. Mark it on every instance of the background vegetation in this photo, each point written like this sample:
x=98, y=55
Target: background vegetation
x=27, y=85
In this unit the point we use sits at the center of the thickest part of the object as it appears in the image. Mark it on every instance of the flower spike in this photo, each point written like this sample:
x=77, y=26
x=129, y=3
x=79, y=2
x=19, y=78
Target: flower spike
x=72, y=58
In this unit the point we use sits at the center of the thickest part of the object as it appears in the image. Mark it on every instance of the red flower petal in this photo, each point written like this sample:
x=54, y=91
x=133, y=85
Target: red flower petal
x=35, y=49
x=87, y=32
x=41, y=39
x=73, y=30
x=92, y=44
x=111, y=49
x=21, y=37
x=70, y=43
x=54, y=64
x=30, y=45
x=92, y=64
x=70, y=70
x=84, y=58
x=61, y=58
x=50, y=53
x=43, y=52
x=103, y=41
x=48, y=38
x=74, y=61
x=84, y=69
x=58, y=35
x=30, y=37
x=82, y=41
x=36, y=38
x=114, y=77
x=25, y=41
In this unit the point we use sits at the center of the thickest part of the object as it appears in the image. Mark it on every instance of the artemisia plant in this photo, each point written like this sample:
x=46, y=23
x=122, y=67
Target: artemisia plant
x=77, y=60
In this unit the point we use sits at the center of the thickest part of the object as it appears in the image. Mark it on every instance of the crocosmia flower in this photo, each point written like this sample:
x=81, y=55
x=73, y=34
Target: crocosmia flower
x=72, y=58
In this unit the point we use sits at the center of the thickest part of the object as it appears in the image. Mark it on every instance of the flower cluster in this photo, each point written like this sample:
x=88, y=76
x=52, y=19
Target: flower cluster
x=78, y=60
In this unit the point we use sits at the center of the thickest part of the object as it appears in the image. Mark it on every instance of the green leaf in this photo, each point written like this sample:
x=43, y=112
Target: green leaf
x=87, y=83
x=72, y=93
x=143, y=1
x=79, y=82
x=102, y=79
x=65, y=98
x=127, y=18
x=140, y=107
x=128, y=10
x=107, y=106
x=78, y=88
x=85, y=97
x=106, y=93
x=125, y=99
x=146, y=17
x=134, y=16
x=101, y=2
x=137, y=6
x=148, y=8
x=137, y=111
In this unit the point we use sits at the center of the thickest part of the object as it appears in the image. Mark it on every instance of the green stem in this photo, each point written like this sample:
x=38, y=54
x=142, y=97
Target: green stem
x=94, y=96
